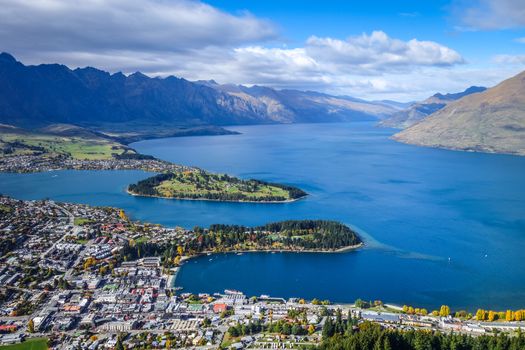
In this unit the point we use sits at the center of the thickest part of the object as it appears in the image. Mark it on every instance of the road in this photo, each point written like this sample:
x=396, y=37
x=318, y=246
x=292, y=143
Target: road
x=71, y=222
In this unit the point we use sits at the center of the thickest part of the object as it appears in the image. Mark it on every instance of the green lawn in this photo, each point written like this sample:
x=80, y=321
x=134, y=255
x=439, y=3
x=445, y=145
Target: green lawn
x=81, y=221
x=5, y=209
x=76, y=147
x=31, y=344
x=194, y=183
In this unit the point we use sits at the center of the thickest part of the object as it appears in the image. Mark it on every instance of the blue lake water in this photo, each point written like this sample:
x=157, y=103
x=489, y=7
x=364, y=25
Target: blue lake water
x=441, y=227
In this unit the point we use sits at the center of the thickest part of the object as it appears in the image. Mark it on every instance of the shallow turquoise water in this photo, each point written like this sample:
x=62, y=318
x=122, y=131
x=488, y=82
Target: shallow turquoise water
x=441, y=226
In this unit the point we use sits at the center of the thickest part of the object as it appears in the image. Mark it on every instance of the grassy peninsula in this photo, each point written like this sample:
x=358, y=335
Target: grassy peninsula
x=201, y=185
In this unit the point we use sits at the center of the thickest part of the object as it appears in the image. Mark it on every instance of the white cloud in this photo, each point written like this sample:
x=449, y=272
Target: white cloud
x=102, y=26
x=379, y=52
x=520, y=40
x=509, y=59
x=490, y=14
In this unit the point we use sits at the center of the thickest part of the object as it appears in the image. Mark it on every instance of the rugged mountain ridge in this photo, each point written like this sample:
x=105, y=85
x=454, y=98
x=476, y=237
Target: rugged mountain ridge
x=290, y=106
x=420, y=110
x=36, y=96
x=490, y=121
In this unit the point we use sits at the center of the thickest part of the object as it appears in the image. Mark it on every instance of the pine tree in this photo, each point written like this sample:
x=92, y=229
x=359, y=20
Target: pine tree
x=119, y=345
x=328, y=328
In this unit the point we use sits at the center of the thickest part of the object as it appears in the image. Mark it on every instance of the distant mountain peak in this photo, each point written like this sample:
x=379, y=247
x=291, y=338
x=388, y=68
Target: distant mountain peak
x=422, y=109
x=475, y=88
x=210, y=82
x=5, y=57
x=488, y=121
x=139, y=75
x=457, y=95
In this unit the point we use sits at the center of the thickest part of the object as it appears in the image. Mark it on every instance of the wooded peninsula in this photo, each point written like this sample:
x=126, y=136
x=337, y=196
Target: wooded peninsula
x=291, y=235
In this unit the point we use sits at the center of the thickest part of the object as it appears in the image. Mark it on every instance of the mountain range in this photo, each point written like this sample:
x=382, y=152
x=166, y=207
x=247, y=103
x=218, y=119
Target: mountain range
x=37, y=96
x=420, y=110
x=128, y=108
x=489, y=121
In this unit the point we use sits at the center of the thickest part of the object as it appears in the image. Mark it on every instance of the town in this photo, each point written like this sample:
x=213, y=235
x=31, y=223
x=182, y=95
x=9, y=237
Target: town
x=81, y=277
x=39, y=163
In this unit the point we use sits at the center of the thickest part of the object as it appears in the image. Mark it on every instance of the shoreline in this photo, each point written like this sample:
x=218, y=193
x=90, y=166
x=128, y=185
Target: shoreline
x=216, y=200
x=457, y=148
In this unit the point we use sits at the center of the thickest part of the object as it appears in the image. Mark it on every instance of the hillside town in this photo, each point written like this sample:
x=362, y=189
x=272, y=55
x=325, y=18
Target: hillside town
x=39, y=163
x=72, y=274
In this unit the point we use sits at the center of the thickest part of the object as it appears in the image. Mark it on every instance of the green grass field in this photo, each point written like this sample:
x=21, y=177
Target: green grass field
x=195, y=183
x=31, y=344
x=29, y=143
x=82, y=221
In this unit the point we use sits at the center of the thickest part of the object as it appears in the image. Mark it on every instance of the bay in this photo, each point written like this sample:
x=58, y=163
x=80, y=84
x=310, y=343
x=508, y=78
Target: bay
x=441, y=227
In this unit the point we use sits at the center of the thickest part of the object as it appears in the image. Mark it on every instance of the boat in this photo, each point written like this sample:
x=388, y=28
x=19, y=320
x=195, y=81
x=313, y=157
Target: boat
x=232, y=292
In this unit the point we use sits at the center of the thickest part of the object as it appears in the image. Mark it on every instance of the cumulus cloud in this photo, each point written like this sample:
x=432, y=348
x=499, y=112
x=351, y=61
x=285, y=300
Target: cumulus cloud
x=379, y=52
x=490, y=14
x=135, y=25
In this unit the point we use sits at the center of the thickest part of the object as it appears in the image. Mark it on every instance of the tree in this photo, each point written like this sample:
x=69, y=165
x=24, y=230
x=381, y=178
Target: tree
x=492, y=316
x=519, y=315
x=509, y=315
x=233, y=331
x=361, y=304
x=444, y=311
x=119, y=345
x=31, y=326
x=296, y=329
x=176, y=260
x=311, y=329
x=480, y=315
x=328, y=328
x=122, y=215
x=286, y=329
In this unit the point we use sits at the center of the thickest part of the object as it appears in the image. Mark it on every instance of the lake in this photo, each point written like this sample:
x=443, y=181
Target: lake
x=441, y=227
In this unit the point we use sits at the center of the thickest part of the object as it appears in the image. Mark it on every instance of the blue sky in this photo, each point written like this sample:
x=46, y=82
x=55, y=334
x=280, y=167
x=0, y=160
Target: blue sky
x=434, y=20
x=402, y=50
